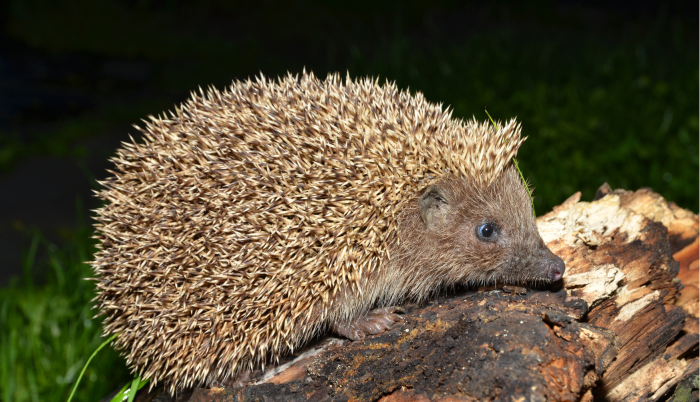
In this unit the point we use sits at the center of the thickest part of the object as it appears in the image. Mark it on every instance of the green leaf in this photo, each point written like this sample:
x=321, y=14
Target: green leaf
x=518, y=168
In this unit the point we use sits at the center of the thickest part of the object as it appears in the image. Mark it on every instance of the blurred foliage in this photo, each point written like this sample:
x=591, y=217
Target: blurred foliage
x=47, y=331
x=611, y=100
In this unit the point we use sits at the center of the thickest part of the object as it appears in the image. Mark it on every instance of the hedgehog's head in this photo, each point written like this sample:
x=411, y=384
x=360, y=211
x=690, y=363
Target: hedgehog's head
x=482, y=234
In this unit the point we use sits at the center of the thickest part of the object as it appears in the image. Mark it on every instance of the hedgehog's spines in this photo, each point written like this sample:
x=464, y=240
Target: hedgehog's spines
x=291, y=187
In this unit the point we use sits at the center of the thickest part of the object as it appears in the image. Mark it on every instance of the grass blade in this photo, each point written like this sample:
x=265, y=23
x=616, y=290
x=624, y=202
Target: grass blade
x=111, y=338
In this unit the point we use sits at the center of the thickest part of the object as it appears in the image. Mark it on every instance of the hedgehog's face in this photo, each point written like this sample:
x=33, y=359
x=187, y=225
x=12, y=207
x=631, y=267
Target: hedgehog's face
x=487, y=235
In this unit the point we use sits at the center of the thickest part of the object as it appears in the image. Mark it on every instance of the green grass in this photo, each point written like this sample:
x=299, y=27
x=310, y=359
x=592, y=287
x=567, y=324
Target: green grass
x=621, y=108
x=47, y=331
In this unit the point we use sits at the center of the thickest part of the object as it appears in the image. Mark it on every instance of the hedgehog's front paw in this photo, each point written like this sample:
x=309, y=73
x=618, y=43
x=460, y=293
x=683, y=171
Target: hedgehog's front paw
x=372, y=323
x=240, y=380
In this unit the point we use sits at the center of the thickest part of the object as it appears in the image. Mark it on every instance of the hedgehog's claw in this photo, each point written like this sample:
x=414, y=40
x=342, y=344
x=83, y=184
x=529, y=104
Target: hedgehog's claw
x=372, y=323
x=241, y=380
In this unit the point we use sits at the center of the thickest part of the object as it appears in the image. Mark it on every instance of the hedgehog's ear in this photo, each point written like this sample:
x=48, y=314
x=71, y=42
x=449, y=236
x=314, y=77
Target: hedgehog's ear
x=434, y=206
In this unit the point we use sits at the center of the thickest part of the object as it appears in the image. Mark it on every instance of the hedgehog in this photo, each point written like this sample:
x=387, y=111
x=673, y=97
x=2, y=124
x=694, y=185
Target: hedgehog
x=250, y=220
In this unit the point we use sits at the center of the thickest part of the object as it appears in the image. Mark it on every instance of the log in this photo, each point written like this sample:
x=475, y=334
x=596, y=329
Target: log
x=481, y=346
x=622, y=325
x=682, y=225
x=619, y=259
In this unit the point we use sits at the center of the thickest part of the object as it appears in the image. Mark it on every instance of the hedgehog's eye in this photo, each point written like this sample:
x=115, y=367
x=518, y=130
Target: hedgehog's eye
x=486, y=231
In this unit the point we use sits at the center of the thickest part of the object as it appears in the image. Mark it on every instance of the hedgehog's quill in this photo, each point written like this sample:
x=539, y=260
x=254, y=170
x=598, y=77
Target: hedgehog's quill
x=251, y=219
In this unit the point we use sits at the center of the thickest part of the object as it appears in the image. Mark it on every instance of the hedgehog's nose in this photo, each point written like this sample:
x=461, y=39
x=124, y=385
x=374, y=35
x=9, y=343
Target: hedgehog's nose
x=555, y=268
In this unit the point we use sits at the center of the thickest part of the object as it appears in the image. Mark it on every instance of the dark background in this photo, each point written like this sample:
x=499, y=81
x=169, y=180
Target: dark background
x=607, y=91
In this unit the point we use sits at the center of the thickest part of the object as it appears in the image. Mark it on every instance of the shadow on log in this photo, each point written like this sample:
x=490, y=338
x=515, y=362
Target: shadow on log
x=624, y=327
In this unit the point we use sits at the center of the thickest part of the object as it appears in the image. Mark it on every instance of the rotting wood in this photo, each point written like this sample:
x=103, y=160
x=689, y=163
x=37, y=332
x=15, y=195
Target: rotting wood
x=682, y=224
x=478, y=346
x=635, y=233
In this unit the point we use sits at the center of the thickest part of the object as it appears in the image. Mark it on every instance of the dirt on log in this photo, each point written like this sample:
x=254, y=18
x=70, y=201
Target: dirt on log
x=622, y=325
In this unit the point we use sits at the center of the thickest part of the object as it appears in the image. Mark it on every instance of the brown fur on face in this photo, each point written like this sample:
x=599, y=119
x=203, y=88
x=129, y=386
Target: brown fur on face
x=439, y=241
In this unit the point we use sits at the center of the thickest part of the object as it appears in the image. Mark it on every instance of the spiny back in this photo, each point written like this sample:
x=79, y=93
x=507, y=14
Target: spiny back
x=247, y=206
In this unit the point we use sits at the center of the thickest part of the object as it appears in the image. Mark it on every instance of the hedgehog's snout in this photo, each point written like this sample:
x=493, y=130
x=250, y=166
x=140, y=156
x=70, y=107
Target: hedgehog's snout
x=554, y=268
